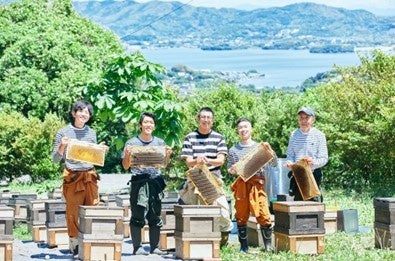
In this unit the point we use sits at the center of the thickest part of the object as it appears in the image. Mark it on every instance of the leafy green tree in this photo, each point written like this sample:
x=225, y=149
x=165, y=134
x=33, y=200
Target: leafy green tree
x=48, y=54
x=129, y=86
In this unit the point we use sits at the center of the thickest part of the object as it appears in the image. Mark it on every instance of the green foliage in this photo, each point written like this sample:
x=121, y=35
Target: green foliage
x=48, y=54
x=26, y=144
x=357, y=115
x=128, y=87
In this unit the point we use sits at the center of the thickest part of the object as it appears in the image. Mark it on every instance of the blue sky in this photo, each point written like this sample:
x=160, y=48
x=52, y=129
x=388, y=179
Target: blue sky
x=379, y=7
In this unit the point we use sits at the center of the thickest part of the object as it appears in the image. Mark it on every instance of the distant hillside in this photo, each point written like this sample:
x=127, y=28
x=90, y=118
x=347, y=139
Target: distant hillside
x=297, y=26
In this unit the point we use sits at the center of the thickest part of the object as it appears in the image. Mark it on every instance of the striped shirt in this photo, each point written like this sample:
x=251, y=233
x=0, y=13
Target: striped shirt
x=209, y=145
x=136, y=141
x=83, y=134
x=311, y=144
x=239, y=150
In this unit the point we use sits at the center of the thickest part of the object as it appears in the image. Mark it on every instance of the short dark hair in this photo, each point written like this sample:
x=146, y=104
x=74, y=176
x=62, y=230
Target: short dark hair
x=82, y=104
x=147, y=114
x=206, y=109
x=243, y=119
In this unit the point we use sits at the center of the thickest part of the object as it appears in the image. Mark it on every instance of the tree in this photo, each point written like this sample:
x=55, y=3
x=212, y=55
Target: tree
x=129, y=86
x=48, y=54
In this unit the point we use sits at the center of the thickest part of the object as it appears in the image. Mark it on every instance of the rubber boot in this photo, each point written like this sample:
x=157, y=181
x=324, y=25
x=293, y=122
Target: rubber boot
x=73, y=245
x=154, y=235
x=135, y=233
x=242, y=233
x=267, y=237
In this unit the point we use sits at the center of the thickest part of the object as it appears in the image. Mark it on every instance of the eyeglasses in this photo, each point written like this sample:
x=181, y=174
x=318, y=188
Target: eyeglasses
x=205, y=117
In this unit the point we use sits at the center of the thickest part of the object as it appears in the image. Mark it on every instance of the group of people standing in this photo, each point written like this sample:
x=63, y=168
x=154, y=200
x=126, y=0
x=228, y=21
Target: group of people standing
x=202, y=146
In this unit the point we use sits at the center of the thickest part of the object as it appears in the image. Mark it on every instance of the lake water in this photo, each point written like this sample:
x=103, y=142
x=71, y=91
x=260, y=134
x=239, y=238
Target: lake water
x=280, y=67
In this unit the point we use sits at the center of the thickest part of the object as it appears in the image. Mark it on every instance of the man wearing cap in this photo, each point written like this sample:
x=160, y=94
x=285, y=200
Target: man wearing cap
x=309, y=143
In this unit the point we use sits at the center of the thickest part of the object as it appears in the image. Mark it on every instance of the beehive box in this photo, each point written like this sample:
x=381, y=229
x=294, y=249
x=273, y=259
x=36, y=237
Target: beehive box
x=347, y=220
x=39, y=232
x=330, y=221
x=6, y=223
x=58, y=237
x=197, y=248
x=55, y=213
x=167, y=240
x=384, y=210
x=302, y=244
x=299, y=217
x=197, y=219
x=5, y=250
x=101, y=220
x=104, y=249
x=254, y=232
x=20, y=204
x=168, y=218
x=36, y=214
x=384, y=235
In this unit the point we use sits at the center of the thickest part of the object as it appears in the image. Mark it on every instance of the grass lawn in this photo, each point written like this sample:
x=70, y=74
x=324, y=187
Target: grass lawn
x=338, y=246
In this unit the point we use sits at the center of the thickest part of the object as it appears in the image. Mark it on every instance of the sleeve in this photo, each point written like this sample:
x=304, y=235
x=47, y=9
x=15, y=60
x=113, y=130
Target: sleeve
x=322, y=152
x=290, y=151
x=55, y=154
x=232, y=159
x=187, y=150
x=222, y=147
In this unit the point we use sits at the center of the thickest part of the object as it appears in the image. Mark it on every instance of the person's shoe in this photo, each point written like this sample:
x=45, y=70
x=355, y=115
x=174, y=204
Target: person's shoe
x=159, y=252
x=140, y=251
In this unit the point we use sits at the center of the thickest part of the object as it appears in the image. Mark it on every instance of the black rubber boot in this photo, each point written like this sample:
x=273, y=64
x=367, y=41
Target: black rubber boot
x=154, y=236
x=135, y=233
x=242, y=233
x=267, y=237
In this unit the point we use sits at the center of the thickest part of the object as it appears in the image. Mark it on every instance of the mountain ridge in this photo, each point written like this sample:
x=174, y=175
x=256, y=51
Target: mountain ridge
x=295, y=26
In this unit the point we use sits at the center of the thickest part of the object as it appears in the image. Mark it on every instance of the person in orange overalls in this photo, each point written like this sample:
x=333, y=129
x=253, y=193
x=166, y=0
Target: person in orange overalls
x=250, y=196
x=79, y=178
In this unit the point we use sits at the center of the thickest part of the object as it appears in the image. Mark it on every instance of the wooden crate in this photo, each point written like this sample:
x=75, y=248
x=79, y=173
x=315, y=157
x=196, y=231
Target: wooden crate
x=5, y=250
x=126, y=228
x=101, y=220
x=197, y=248
x=197, y=219
x=100, y=250
x=330, y=221
x=347, y=220
x=55, y=213
x=167, y=240
x=384, y=235
x=302, y=244
x=39, y=233
x=299, y=217
x=168, y=218
x=58, y=237
x=36, y=214
x=384, y=210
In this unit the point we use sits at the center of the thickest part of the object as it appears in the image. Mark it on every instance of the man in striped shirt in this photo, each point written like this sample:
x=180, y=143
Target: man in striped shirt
x=206, y=146
x=307, y=142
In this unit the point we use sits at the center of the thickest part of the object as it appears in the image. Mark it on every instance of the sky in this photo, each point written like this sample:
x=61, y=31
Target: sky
x=378, y=7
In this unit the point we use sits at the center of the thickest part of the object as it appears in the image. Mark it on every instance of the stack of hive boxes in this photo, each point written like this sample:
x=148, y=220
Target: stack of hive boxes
x=123, y=201
x=299, y=227
x=167, y=241
x=101, y=232
x=55, y=210
x=20, y=202
x=384, y=222
x=197, y=234
x=6, y=229
x=36, y=217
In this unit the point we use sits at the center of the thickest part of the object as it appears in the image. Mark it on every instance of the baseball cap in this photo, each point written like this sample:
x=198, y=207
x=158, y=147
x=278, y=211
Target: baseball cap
x=307, y=110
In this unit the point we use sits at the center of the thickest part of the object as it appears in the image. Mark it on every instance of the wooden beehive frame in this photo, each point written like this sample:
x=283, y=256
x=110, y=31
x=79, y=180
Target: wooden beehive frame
x=148, y=156
x=207, y=185
x=253, y=161
x=305, y=180
x=86, y=152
